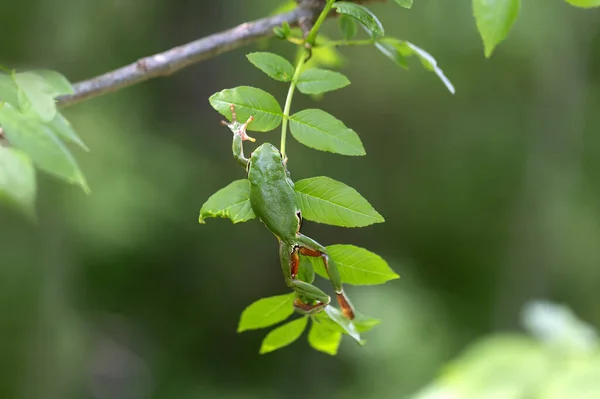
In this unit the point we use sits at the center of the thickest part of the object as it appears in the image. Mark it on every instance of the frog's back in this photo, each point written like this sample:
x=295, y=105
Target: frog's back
x=271, y=192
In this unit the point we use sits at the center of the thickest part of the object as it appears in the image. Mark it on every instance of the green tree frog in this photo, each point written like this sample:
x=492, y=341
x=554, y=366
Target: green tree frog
x=274, y=202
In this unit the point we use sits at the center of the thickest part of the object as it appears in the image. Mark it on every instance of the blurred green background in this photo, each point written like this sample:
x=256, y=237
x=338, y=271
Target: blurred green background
x=490, y=198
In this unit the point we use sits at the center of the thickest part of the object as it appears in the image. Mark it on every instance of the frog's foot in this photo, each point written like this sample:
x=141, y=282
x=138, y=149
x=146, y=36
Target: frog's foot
x=309, y=247
x=305, y=308
x=237, y=127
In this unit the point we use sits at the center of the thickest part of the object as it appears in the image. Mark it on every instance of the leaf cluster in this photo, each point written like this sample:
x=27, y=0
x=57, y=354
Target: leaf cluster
x=36, y=133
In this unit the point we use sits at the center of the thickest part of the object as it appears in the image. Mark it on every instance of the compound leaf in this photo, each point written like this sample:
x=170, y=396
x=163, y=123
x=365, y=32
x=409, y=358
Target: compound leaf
x=317, y=81
x=494, y=20
x=44, y=147
x=324, y=339
x=37, y=90
x=283, y=335
x=273, y=65
x=232, y=201
x=249, y=101
x=405, y=3
x=362, y=14
x=267, y=311
x=348, y=27
x=324, y=200
x=17, y=180
x=356, y=265
x=397, y=50
x=317, y=129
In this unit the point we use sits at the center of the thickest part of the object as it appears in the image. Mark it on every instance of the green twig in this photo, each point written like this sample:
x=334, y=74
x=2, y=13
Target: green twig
x=336, y=43
x=308, y=42
x=312, y=35
x=288, y=101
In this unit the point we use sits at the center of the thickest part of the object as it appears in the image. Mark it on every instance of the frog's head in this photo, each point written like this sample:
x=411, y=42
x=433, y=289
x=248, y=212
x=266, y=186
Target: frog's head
x=266, y=153
x=266, y=159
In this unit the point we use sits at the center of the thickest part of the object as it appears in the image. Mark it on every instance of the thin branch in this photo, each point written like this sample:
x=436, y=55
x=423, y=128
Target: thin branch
x=175, y=59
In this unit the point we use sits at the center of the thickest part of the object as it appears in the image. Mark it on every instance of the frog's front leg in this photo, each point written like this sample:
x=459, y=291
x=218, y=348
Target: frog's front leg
x=309, y=247
x=239, y=136
x=290, y=261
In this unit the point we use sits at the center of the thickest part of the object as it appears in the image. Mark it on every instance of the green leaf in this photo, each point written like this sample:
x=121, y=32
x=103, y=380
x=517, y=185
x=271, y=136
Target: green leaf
x=338, y=317
x=398, y=50
x=283, y=335
x=273, y=65
x=231, y=202
x=348, y=27
x=38, y=140
x=285, y=7
x=324, y=200
x=17, y=180
x=324, y=339
x=405, y=3
x=317, y=129
x=266, y=312
x=356, y=265
x=584, y=3
x=317, y=81
x=364, y=323
x=249, y=101
x=393, y=49
x=37, y=90
x=494, y=19
x=361, y=322
x=8, y=90
x=63, y=128
x=362, y=14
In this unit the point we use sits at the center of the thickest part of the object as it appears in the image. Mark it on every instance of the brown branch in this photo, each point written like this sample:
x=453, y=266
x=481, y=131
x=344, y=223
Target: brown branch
x=175, y=59
x=170, y=61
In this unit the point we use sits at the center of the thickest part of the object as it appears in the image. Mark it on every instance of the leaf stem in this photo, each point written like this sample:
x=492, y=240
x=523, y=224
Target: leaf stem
x=288, y=101
x=308, y=42
x=312, y=35
x=335, y=43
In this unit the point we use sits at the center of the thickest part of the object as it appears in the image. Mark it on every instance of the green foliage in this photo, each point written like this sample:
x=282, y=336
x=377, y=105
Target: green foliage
x=63, y=129
x=324, y=200
x=249, y=101
x=39, y=141
x=405, y=3
x=397, y=50
x=283, y=335
x=273, y=65
x=561, y=360
x=8, y=89
x=349, y=28
x=494, y=19
x=37, y=90
x=232, y=202
x=324, y=339
x=17, y=180
x=319, y=130
x=363, y=15
x=317, y=81
x=32, y=124
x=584, y=3
x=357, y=266
x=266, y=312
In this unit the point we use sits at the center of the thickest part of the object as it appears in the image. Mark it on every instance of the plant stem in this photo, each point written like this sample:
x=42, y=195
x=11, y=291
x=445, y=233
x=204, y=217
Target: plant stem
x=288, y=101
x=308, y=42
x=312, y=35
x=334, y=43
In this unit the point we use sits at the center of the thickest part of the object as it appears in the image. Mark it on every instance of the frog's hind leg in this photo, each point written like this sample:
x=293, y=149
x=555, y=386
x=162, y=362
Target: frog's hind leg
x=310, y=247
x=290, y=261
